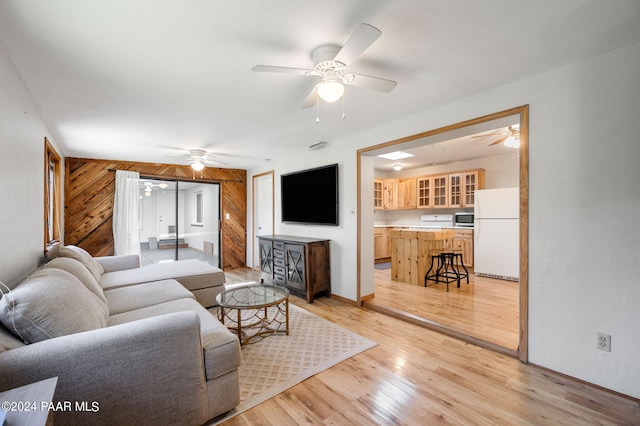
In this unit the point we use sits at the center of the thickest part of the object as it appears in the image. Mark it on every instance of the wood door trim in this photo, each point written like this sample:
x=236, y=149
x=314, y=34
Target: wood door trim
x=523, y=113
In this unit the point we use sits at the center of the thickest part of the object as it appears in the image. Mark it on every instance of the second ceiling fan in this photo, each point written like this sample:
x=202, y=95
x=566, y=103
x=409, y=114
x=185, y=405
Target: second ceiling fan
x=330, y=63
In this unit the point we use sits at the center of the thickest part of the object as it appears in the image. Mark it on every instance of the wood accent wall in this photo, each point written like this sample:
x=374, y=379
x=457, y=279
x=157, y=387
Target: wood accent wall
x=89, y=196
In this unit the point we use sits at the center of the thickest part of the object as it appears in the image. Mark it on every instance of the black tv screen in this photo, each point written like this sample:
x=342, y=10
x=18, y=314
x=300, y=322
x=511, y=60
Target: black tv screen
x=311, y=196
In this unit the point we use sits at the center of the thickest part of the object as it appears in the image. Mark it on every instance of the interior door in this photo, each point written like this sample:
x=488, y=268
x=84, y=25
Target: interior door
x=263, y=211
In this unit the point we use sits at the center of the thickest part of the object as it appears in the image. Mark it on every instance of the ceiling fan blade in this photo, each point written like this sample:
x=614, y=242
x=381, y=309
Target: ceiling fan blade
x=373, y=83
x=489, y=134
x=360, y=40
x=215, y=162
x=499, y=140
x=311, y=99
x=286, y=70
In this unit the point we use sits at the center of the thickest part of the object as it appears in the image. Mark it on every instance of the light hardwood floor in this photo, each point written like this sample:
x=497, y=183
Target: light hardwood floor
x=485, y=308
x=416, y=376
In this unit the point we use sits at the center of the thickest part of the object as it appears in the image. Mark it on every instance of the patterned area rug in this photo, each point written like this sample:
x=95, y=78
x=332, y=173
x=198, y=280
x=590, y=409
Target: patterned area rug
x=279, y=362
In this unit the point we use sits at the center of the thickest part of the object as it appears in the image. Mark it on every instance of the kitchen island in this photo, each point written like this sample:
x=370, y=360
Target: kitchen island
x=411, y=252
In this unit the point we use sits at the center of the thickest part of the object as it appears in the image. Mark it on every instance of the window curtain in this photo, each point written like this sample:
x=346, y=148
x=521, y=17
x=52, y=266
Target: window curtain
x=126, y=206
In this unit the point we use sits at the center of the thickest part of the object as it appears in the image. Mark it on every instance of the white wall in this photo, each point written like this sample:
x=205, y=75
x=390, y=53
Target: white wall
x=343, y=252
x=195, y=236
x=584, y=246
x=22, y=134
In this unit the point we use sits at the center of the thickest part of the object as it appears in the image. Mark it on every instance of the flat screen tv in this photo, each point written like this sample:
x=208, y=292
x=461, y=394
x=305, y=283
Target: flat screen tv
x=310, y=196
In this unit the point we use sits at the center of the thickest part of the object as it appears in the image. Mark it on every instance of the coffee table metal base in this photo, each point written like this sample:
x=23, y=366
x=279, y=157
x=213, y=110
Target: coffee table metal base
x=254, y=324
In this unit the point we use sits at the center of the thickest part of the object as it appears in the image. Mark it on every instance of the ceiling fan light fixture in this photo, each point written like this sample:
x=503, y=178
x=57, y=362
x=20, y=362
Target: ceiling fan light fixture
x=512, y=142
x=330, y=90
x=197, y=165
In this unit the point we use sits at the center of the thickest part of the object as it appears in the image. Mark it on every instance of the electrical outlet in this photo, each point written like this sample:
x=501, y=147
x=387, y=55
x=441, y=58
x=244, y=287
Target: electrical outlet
x=604, y=342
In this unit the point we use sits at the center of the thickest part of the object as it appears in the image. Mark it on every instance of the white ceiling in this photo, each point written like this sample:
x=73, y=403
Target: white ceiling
x=147, y=80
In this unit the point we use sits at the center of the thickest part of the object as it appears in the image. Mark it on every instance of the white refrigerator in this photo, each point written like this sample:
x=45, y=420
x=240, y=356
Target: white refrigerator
x=496, y=248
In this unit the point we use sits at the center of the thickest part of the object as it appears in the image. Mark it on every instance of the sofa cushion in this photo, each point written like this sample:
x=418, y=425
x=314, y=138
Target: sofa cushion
x=76, y=268
x=81, y=255
x=8, y=341
x=221, y=347
x=123, y=299
x=51, y=303
x=192, y=273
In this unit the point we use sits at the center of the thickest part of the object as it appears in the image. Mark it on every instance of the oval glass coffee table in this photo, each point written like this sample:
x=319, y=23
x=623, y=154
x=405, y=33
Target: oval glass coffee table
x=254, y=311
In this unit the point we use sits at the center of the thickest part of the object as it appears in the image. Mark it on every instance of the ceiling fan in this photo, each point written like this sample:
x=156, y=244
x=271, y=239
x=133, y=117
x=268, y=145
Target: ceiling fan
x=330, y=63
x=510, y=137
x=148, y=187
x=199, y=158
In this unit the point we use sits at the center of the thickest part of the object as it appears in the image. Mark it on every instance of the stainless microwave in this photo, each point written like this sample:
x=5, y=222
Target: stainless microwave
x=463, y=219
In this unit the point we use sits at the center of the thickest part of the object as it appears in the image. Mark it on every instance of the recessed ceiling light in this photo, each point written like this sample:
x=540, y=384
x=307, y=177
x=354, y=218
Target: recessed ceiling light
x=397, y=155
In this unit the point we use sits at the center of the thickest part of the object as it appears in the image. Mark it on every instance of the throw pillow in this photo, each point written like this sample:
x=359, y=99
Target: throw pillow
x=51, y=303
x=76, y=268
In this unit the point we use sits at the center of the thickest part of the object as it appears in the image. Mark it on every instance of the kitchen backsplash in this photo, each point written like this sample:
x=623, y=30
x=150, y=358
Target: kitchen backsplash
x=409, y=217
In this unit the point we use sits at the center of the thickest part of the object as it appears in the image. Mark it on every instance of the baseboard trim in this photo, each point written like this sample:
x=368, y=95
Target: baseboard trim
x=344, y=300
x=589, y=384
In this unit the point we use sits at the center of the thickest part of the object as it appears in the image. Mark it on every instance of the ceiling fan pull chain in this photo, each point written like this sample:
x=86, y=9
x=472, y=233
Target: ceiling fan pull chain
x=343, y=96
x=317, y=114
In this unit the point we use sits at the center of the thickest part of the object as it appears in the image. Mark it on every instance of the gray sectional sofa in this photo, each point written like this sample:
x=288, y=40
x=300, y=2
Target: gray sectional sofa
x=132, y=339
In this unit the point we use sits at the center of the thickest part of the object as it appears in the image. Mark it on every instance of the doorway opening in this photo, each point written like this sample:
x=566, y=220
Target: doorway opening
x=402, y=294
x=179, y=220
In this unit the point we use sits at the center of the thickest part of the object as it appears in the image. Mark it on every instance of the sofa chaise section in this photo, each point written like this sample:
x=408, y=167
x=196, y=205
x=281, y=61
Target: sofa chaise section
x=203, y=280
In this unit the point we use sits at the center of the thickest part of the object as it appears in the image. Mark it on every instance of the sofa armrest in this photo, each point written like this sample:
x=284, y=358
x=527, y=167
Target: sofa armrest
x=149, y=371
x=118, y=263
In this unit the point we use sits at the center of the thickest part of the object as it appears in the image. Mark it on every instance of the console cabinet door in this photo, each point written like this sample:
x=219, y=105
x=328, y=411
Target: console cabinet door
x=294, y=260
x=266, y=258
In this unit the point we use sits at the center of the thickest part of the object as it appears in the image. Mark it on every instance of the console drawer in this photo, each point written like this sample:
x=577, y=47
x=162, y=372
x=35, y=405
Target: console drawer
x=278, y=270
x=278, y=245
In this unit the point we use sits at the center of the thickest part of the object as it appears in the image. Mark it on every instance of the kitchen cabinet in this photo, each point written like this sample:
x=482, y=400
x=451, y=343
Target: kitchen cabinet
x=462, y=187
x=395, y=193
x=450, y=190
x=390, y=194
x=432, y=191
x=381, y=243
x=377, y=193
x=425, y=192
x=463, y=239
x=440, y=191
x=407, y=193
